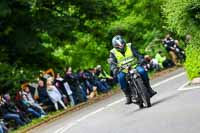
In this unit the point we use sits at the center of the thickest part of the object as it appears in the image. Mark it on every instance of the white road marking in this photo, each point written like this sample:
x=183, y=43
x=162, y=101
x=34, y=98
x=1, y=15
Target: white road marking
x=90, y=114
x=70, y=125
x=166, y=80
x=189, y=88
x=182, y=86
x=81, y=119
x=116, y=102
x=57, y=131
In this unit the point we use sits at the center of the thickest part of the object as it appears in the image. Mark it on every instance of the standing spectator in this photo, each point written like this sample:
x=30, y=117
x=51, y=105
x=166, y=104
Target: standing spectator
x=180, y=53
x=169, y=43
x=188, y=38
x=48, y=74
x=54, y=95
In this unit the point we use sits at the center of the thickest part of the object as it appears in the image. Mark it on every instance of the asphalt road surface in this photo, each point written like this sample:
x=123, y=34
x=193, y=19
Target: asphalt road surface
x=174, y=110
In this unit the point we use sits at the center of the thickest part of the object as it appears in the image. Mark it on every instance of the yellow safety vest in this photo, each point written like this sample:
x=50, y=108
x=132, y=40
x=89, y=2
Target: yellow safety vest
x=126, y=59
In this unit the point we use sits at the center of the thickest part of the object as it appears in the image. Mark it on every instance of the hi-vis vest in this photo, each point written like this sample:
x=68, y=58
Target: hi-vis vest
x=125, y=59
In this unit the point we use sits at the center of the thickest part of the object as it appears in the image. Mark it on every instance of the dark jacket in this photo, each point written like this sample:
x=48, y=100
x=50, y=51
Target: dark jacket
x=168, y=43
x=8, y=107
x=42, y=92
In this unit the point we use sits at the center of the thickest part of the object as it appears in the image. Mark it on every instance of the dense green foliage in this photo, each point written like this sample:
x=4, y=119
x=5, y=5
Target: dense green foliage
x=40, y=34
x=183, y=17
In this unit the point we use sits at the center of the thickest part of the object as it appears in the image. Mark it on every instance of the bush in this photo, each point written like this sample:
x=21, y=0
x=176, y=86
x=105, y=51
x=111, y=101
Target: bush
x=192, y=64
x=182, y=17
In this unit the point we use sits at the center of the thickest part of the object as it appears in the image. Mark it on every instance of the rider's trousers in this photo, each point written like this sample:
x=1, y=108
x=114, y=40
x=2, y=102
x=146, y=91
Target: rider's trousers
x=122, y=77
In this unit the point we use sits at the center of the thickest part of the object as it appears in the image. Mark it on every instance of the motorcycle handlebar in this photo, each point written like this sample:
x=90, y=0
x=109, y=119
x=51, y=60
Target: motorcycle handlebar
x=110, y=61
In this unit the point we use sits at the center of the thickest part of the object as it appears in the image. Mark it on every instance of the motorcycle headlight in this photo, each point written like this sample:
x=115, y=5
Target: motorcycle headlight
x=132, y=71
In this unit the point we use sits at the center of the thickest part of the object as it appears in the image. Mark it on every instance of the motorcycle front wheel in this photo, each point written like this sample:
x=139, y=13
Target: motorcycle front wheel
x=143, y=92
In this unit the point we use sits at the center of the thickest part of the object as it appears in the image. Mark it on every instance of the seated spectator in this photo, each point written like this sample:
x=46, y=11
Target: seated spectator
x=32, y=89
x=152, y=64
x=42, y=92
x=163, y=61
x=58, y=82
x=103, y=76
x=15, y=109
x=64, y=87
x=3, y=128
x=75, y=86
x=69, y=93
x=90, y=84
x=101, y=84
x=28, y=99
x=54, y=95
x=26, y=107
x=8, y=113
x=85, y=85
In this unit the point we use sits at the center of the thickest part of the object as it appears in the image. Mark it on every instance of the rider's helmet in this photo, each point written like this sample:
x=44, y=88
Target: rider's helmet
x=119, y=43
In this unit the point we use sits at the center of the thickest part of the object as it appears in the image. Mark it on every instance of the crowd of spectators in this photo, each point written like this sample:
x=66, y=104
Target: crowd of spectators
x=160, y=60
x=52, y=92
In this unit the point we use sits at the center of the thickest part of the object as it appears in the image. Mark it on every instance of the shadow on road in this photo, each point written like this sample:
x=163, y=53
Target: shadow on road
x=165, y=99
x=161, y=100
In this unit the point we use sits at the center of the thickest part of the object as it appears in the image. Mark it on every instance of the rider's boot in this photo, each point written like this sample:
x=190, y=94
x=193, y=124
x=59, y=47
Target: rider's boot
x=150, y=90
x=128, y=96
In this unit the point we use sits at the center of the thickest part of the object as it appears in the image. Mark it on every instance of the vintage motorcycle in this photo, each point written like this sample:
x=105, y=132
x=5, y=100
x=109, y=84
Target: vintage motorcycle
x=139, y=93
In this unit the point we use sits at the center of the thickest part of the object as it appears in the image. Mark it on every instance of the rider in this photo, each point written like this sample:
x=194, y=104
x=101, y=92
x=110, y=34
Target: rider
x=121, y=54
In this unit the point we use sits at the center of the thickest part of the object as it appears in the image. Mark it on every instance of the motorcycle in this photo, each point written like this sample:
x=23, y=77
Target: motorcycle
x=139, y=93
x=180, y=54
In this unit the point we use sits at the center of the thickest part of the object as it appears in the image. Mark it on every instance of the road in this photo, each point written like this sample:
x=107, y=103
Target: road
x=172, y=111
